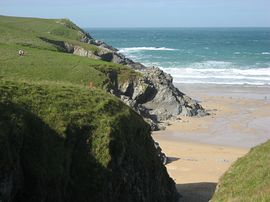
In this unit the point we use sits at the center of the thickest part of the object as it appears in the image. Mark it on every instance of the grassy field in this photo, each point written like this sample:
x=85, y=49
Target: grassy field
x=43, y=61
x=28, y=32
x=248, y=180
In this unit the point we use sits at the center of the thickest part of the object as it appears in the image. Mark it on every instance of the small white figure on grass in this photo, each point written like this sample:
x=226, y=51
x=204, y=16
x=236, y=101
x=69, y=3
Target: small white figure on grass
x=21, y=53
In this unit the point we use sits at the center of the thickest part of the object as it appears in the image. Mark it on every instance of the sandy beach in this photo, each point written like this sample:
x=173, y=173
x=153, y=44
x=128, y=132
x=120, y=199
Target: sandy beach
x=200, y=150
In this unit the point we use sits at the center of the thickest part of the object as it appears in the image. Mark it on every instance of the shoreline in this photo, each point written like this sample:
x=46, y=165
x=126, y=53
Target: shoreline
x=201, y=150
x=238, y=116
x=225, y=90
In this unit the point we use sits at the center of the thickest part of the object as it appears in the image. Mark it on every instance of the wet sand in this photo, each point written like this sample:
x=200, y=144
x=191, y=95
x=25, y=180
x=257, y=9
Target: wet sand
x=200, y=150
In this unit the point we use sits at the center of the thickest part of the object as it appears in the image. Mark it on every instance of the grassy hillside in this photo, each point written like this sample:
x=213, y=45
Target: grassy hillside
x=248, y=180
x=46, y=129
x=65, y=140
x=44, y=60
x=28, y=32
x=61, y=140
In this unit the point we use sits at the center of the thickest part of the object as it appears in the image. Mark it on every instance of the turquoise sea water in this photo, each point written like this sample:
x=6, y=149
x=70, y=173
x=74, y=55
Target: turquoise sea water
x=197, y=55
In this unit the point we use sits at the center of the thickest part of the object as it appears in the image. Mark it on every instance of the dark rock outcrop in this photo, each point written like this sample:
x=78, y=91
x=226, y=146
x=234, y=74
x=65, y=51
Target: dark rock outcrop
x=156, y=99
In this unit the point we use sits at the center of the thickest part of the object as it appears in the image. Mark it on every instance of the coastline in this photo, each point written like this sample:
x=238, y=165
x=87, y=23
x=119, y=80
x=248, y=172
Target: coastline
x=238, y=116
x=200, y=150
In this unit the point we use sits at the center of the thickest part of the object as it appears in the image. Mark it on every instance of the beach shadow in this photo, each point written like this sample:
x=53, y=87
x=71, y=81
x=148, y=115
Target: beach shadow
x=172, y=159
x=196, y=192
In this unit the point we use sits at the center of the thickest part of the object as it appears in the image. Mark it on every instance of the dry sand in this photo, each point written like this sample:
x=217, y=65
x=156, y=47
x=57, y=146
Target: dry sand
x=200, y=150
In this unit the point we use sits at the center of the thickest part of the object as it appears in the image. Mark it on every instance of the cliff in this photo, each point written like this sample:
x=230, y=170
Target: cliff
x=67, y=143
x=156, y=99
x=62, y=136
x=64, y=133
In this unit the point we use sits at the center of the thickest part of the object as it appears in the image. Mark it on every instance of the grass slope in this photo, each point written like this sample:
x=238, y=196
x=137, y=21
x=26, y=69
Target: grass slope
x=248, y=180
x=63, y=137
x=43, y=60
x=29, y=31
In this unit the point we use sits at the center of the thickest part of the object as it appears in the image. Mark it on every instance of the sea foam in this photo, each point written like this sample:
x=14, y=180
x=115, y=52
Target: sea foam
x=259, y=76
x=137, y=49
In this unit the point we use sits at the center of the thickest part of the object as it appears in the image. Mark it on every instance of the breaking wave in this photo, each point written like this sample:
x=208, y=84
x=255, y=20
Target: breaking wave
x=137, y=49
x=252, y=76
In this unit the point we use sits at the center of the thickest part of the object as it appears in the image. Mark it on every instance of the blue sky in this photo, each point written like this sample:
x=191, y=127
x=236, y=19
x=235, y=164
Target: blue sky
x=146, y=13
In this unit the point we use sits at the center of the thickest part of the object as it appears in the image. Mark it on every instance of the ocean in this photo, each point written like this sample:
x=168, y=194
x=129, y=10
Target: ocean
x=197, y=55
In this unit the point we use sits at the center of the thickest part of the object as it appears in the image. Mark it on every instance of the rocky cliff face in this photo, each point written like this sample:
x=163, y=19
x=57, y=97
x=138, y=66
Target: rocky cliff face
x=156, y=99
x=104, y=52
x=109, y=53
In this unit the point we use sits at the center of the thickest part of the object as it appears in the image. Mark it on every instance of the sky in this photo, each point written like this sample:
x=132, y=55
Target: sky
x=146, y=13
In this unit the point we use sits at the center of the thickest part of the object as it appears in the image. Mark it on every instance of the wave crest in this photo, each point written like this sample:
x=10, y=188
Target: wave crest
x=203, y=73
x=137, y=49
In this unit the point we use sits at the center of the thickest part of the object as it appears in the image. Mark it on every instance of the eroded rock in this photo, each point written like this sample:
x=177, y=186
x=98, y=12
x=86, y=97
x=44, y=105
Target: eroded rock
x=159, y=100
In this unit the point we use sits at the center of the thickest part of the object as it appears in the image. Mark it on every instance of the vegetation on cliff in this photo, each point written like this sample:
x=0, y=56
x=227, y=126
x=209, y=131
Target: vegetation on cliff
x=68, y=143
x=62, y=139
x=32, y=32
x=248, y=179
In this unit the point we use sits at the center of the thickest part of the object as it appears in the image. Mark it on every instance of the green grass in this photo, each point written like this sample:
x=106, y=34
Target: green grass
x=44, y=62
x=59, y=104
x=248, y=180
x=64, y=137
x=27, y=32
